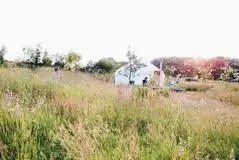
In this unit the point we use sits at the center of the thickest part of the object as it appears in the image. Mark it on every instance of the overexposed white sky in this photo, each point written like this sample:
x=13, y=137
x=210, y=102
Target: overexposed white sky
x=105, y=28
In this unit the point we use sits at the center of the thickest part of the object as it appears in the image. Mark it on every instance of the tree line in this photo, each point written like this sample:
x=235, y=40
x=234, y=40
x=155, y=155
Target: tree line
x=38, y=56
x=217, y=68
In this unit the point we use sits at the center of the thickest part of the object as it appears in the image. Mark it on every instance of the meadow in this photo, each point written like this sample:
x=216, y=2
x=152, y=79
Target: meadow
x=83, y=117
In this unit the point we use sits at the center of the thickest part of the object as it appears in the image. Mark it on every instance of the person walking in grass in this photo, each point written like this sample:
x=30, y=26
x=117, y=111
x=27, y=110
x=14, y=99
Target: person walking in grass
x=57, y=75
x=145, y=81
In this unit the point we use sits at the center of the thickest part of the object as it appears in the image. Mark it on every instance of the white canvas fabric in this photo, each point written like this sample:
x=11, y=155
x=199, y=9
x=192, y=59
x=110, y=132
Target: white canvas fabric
x=146, y=71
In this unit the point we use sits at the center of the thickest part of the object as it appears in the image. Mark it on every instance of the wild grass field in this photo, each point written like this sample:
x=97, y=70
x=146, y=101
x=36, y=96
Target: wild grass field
x=81, y=117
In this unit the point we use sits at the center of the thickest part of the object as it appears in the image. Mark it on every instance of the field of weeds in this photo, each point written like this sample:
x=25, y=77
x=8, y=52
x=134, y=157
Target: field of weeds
x=81, y=117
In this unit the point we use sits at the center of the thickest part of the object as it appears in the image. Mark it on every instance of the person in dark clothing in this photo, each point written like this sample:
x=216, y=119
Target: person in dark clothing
x=145, y=81
x=56, y=69
x=131, y=82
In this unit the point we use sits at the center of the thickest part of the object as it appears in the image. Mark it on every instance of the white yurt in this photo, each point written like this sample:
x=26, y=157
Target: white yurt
x=148, y=70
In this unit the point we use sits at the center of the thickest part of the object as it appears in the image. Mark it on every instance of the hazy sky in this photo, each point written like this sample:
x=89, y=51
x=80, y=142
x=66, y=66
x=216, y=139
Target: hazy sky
x=105, y=28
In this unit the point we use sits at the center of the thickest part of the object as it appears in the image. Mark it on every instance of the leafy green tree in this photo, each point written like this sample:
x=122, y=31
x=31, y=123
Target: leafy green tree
x=46, y=60
x=3, y=51
x=59, y=60
x=174, y=66
x=72, y=61
x=89, y=67
x=134, y=63
x=105, y=65
x=33, y=56
x=208, y=68
x=169, y=71
x=217, y=67
x=73, y=57
x=205, y=73
x=228, y=74
x=37, y=57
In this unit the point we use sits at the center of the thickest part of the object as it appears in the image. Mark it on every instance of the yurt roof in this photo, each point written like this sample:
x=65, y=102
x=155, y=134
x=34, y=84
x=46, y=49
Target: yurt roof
x=148, y=68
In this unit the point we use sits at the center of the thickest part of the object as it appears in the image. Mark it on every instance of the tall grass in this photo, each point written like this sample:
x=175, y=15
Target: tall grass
x=195, y=87
x=226, y=93
x=85, y=120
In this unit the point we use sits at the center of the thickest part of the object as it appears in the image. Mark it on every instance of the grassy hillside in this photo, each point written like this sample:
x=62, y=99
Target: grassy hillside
x=83, y=118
